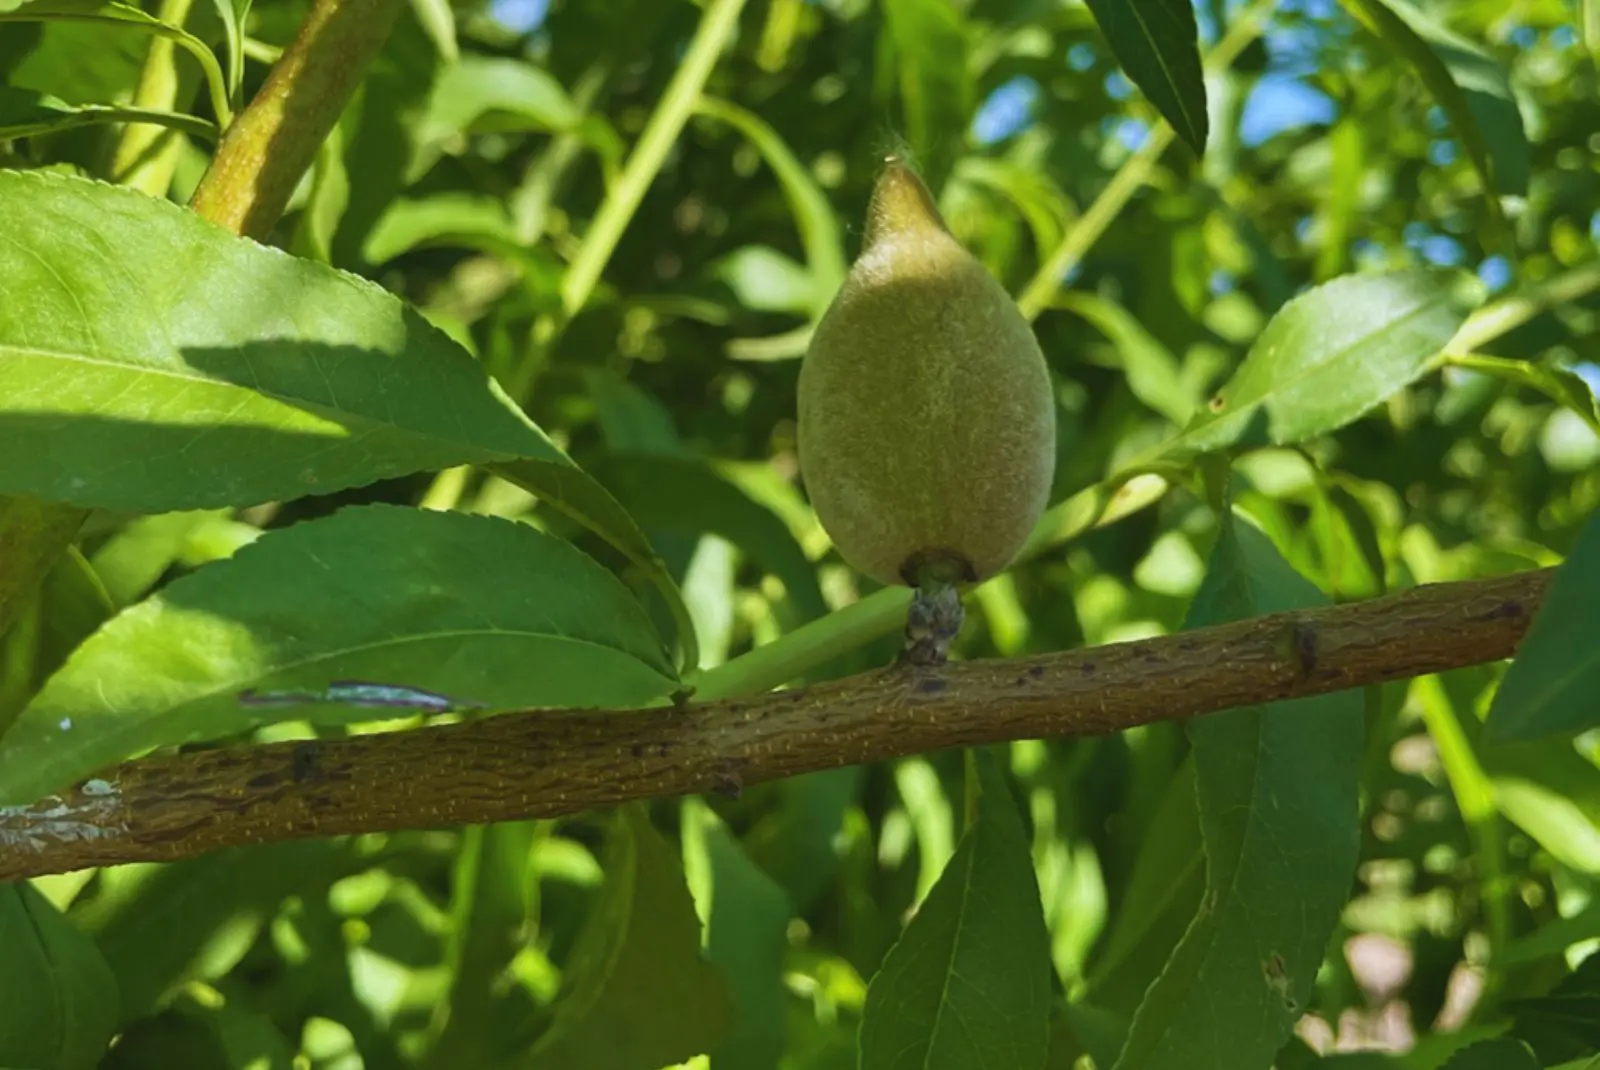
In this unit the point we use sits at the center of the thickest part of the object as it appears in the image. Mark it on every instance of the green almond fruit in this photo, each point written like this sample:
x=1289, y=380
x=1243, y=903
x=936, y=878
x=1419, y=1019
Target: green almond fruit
x=927, y=429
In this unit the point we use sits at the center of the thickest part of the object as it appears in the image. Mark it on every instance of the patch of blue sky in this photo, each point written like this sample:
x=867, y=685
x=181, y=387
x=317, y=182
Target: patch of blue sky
x=1278, y=104
x=1589, y=372
x=1007, y=111
x=519, y=16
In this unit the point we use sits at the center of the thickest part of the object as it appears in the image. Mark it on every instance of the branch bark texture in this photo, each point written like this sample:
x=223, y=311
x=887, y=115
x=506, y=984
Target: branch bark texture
x=268, y=148
x=545, y=763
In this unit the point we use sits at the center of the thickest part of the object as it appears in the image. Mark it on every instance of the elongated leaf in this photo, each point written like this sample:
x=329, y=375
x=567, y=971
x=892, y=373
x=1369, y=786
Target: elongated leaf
x=1277, y=786
x=1331, y=354
x=107, y=13
x=472, y=220
x=27, y=112
x=489, y=906
x=1552, y=682
x=968, y=985
x=1561, y=386
x=162, y=364
x=813, y=213
x=1158, y=44
x=637, y=995
x=58, y=1000
x=747, y=918
x=1153, y=372
x=1469, y=84
x=493, y=92
x=478, y=609
x=1552, y=793
x=929, y=40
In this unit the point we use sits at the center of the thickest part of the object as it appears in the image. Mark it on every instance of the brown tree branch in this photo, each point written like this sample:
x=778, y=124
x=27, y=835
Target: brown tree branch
x=544, y=763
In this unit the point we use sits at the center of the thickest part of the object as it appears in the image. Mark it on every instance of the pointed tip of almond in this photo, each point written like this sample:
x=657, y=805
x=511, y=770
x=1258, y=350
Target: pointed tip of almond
x=901, y=204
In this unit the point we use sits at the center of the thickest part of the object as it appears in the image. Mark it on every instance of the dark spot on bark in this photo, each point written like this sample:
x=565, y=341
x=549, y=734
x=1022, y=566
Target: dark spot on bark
x=662, y=748
x=262, y=781
x=931, y=685
x=1087, y=668
x=303, y=762
x=637, y=750
x=1504, y=611
x=796, y=696
x=1305, y=647
x=1037, y=672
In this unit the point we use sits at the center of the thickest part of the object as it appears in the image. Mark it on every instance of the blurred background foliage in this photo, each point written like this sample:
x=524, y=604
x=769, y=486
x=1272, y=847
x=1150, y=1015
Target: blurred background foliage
x=466, y=176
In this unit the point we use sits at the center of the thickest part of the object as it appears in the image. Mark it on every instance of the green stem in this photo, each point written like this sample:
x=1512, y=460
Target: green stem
x=812, y=645
x=1523, y=373
x=266, y=151
x=1041, y=289
x=96, y=114
x=146, y=153
x=666, y=122
x=1509, y=313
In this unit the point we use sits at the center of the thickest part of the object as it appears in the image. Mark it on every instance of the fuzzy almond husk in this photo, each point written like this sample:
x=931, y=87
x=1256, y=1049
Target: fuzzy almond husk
x=927, y=427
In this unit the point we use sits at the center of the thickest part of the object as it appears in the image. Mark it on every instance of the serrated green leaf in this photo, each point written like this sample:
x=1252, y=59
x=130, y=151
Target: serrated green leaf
x=1552, y=681
x=746, y=916
x=58, y=998
x=1158, y=45
x=968, y=984
x=637, y=995
x=1330, y=355
x=1277, y=786
x=479, y=609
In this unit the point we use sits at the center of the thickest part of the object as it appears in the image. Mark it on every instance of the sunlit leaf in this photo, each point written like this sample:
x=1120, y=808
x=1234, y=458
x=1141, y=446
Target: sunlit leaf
x=481, y=610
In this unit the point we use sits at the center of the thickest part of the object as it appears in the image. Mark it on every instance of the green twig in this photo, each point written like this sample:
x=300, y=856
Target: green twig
x=147, y=151
x=1509, y=313
x=644, y=163
x=266, y=151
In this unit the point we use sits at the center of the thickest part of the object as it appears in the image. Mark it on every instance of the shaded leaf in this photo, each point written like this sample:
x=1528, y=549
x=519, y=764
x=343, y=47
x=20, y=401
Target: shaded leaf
x=469, y=219
x=746, y=916
x=483, y=610
x=1552, y=681
x=1565, y=1024
x=1153, y=372
x=1277, y=786
x=688, y=494
x=232, y=14
x=489, y=92
x=1158, y=45
x=1332, y=354
x=637, y=995
x=58, y=998
x=968, y=984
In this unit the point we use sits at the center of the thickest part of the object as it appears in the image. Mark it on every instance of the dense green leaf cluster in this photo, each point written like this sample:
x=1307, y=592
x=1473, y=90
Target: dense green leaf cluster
x=502, y=416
